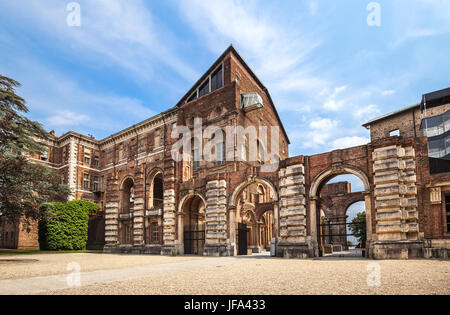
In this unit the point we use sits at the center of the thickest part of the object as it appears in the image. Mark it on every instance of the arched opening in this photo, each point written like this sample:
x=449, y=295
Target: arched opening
x=253, y=220
x=153, y=223
x=126, y=212
x=193, y=225
x=334, y=197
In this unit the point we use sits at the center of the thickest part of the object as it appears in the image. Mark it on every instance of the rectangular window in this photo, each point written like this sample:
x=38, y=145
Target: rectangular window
x=447, y=211
x=394, y=133
x=192, y=97
x=216, y=79
x=195, y=157
x=204, y=89
x=103, y=183
x=87, y=160
x=86, y=181
x=157, y=137
x=243, y=153
x=220, y=153
x=96, y=161
x=96, y=183
x=154, y=232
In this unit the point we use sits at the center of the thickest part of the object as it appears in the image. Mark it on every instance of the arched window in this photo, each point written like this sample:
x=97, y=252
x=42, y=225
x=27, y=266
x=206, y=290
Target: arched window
x=127, y=196
x=158, y=192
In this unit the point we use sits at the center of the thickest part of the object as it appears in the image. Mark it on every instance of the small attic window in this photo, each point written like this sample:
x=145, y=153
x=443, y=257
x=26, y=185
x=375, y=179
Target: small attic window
x=204, y=89
x=250, y=101
x=192, y=97
x=216, y=79
x=394, y=133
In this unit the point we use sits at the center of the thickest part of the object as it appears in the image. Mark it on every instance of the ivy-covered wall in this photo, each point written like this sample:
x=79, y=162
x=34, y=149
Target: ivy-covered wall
x=64, y=226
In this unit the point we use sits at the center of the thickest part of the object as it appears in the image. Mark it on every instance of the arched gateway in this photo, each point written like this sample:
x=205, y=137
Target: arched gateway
x=314, y=208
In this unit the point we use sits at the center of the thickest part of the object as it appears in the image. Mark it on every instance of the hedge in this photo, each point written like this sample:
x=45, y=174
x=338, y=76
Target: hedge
x=64, y=226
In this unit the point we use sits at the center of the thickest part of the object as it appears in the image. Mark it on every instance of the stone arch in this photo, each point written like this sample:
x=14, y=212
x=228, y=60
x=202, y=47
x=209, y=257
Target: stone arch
x=192, y=223
x=331, y=172
x=352, y=200
x=317, y=183
x=253, y=238
x=187, y=197
x=251, y=180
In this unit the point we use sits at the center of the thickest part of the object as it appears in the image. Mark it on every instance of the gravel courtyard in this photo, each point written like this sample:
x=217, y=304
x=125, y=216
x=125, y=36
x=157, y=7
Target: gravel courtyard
x=130, y=274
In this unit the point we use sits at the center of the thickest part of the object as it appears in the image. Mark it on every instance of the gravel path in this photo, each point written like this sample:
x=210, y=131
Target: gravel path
x=279, y=276
x=260, y=276
x=27, y=266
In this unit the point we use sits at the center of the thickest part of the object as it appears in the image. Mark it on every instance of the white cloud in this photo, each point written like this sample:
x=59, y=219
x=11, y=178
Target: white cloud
x=278, y=54
x=349, y=142
x=332, y=103
x=367, y=112
x=323, y=124
x=113, y=34
x=67, y=118
x=388, y=92
x=63, y=104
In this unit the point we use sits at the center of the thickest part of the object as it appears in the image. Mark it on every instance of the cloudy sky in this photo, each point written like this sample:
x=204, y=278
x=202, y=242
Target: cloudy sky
x=327, y=69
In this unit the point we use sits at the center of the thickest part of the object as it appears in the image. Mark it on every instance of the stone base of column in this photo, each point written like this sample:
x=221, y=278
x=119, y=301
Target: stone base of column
x=172, y=249
x=109, y=249
x=134, y=249
x=216, y=250
x=397, y=249
x=295, y=250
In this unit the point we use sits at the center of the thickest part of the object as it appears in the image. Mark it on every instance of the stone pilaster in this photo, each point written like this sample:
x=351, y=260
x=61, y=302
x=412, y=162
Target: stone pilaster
x=293, y=236
x=138, y=209
x=396, y=215
x=112, y=214
x=216, y=218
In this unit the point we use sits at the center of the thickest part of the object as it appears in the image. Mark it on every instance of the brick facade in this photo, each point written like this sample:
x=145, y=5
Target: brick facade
x=154, y=204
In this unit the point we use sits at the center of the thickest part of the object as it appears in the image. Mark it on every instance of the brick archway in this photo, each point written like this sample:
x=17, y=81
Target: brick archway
x=314, y=199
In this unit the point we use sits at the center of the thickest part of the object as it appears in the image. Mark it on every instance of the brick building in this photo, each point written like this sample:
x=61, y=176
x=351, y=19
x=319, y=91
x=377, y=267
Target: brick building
x=230, y=205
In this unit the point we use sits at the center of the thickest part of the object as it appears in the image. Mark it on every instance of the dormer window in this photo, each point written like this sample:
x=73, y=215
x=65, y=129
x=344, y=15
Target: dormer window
x=216, y=79
x=212, y=83
x=204, y=89
x=251, y=101
x=193, y=97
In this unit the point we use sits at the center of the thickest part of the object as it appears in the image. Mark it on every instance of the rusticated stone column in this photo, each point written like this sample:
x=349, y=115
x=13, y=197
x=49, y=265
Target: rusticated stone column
x=397, y=228
x=112, y=214
x=216, y=218
x=138, y=211
x=233, y=239
x=293, y=240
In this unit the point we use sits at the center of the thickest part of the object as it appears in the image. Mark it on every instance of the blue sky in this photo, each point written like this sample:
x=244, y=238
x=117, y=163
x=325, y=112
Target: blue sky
x=328, y=71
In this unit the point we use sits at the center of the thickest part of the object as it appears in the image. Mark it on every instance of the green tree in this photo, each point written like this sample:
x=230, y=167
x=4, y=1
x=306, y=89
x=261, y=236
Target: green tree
x=24, y=186
x=358, y=226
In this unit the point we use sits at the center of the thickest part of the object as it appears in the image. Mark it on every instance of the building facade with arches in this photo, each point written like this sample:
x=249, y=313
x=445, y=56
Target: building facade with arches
x=155, y=204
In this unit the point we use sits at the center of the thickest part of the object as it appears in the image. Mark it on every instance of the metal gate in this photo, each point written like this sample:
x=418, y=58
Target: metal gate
x=242, y=239
x=194, y=239
x=336, y=238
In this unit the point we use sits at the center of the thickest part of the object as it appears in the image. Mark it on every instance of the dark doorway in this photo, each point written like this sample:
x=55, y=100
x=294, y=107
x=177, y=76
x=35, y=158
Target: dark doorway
x=242, y=239
x=194, y=239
